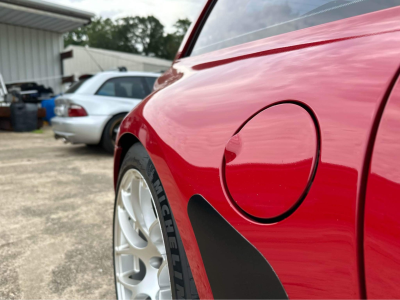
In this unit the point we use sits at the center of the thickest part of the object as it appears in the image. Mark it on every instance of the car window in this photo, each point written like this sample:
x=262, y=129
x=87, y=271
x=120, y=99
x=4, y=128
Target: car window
x=233, y=22
x=150, y=82
x=75, y=86
x=123, y=87
x=108, y=89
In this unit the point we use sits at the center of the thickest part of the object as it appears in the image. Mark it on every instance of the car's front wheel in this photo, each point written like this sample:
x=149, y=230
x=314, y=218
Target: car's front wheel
x=143, y=221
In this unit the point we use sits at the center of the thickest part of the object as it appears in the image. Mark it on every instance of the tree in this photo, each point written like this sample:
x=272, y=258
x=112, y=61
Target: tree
x=101, y=34
x=173, y=41
x=78, y=37
x=139, y=35
x=145, y=33
x=181, y=26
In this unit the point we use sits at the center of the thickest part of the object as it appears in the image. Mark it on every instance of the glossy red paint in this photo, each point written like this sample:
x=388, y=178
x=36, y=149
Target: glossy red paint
x=382, y=207
x=340, y=70
x=269, y=162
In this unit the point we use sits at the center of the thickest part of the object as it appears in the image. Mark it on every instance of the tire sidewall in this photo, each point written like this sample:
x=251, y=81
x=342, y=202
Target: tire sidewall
x=137, y=158
x=107, y=141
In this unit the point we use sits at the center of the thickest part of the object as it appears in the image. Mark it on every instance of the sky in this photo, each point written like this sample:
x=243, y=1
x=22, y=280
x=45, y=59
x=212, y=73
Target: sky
x=167, y=11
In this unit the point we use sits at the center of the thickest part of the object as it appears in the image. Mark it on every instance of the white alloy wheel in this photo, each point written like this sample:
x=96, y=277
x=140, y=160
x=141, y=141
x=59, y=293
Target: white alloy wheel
x=140, y=260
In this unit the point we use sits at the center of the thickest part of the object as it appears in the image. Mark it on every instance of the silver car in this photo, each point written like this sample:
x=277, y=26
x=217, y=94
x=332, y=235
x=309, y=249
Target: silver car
x=91, y=111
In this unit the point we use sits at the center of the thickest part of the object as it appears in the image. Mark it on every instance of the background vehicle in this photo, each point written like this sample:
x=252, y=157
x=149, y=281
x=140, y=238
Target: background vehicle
x=91, y=110
x=277, y=154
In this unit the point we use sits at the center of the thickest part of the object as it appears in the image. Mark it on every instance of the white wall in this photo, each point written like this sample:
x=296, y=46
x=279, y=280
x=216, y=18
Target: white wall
x=153, y=68
x=30, y=55
x=87, y=61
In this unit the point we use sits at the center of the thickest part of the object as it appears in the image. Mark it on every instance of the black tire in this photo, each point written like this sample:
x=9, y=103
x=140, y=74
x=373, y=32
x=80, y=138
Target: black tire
x=92, y=145
x=183, y=286
x=108, y=138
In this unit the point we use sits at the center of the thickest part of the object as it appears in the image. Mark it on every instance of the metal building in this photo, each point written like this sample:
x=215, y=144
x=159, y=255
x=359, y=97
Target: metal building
x=92, y=60
x=31, y=40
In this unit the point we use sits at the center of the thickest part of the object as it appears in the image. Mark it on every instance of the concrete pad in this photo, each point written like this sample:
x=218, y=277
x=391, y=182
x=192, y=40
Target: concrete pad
x=56, y=209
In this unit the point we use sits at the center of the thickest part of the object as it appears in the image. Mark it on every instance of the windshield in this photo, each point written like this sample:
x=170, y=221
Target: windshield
x=234, y=22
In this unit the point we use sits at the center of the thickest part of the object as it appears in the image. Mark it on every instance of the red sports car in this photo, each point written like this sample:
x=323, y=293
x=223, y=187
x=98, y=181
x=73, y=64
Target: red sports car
x=266, y=163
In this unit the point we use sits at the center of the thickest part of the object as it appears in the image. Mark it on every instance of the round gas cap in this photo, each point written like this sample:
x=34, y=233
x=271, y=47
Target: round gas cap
x=270, y=161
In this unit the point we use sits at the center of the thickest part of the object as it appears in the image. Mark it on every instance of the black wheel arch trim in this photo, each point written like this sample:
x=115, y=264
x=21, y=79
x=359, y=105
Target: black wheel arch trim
x=235, y=268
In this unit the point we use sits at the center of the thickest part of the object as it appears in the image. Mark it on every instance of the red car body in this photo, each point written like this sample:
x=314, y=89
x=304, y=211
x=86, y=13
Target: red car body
x=342, y=240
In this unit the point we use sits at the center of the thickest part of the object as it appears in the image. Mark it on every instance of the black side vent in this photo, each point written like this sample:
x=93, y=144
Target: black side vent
x=235, y=268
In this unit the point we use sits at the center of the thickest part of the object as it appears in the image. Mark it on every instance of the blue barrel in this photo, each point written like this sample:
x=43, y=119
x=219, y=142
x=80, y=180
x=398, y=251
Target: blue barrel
x=49, y=105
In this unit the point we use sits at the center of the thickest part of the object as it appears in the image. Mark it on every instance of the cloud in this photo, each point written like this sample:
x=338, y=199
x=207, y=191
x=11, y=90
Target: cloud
x=112, y=14
x=167, y=11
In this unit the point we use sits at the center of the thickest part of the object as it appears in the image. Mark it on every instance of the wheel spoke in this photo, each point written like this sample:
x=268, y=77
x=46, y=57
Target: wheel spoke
x=140, y=288
x=164, y=294
x=163, y=276
x=127, y=274
x=126, y=201
x=124, y=249
x=129, y=232
x=156, y=238
x=135, y=287
x=136, y=264
x=146, y=204
x=137, y=208
x=125, y=183
x=125, y=279
x=127, y=283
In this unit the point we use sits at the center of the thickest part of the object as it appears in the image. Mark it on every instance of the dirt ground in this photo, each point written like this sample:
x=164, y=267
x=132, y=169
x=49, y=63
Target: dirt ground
x=56, y=206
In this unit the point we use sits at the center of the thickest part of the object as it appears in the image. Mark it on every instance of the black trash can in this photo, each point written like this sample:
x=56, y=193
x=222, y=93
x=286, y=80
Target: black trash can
x=24, y=116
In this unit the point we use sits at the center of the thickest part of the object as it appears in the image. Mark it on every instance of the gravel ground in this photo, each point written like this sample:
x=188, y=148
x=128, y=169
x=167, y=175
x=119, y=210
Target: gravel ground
x=56, y=206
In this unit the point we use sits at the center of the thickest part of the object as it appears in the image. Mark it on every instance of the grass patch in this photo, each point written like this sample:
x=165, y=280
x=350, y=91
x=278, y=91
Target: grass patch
x=39, y=131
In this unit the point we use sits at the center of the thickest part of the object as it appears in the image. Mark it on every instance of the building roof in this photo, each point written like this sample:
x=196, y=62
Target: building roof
x=43, y=15
x=126, y=56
